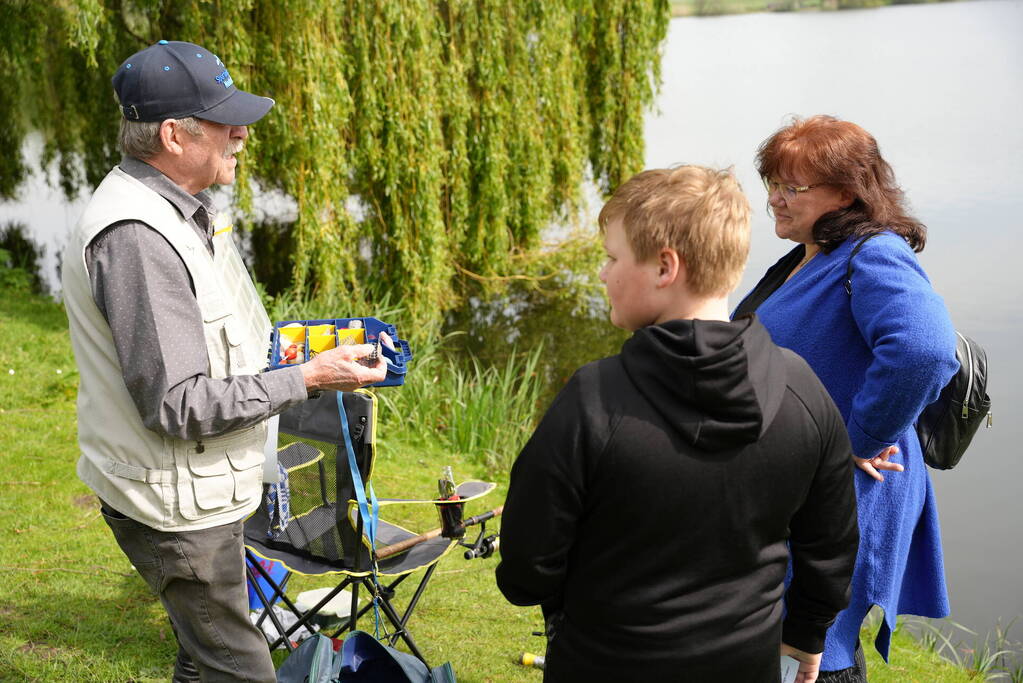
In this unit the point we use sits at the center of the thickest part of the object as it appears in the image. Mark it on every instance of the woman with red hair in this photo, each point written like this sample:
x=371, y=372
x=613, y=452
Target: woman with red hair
x=883, y=346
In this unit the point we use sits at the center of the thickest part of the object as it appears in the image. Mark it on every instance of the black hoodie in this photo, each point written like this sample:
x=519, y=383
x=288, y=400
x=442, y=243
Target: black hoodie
x=650, y=510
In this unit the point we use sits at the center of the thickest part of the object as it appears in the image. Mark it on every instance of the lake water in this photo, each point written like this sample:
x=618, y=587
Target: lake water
x=941, y=88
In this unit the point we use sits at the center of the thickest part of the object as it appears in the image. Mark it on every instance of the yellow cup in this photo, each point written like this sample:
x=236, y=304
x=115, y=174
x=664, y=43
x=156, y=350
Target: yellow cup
x=320, y=342
x=291, y=341
x=317, y=330
x=293, y=335
x=350, y=336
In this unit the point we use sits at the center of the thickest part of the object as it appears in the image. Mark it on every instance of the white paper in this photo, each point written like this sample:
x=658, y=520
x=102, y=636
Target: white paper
x=271, y=475
x=789, y=669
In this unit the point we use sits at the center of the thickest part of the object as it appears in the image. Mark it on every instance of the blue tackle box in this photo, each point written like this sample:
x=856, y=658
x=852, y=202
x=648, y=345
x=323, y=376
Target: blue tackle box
x=296, y=341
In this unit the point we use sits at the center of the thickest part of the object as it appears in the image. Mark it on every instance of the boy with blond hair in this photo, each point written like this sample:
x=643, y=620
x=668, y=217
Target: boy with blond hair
x=649, y=513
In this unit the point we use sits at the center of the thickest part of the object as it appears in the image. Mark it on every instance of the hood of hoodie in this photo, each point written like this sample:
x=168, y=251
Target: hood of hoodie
x=718, y=383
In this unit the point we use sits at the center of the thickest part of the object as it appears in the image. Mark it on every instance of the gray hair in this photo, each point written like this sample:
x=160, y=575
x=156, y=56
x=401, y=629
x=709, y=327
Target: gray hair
x=141, y=139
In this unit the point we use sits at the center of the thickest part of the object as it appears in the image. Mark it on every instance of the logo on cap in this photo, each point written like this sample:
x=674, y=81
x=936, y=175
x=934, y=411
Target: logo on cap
x=224, y=79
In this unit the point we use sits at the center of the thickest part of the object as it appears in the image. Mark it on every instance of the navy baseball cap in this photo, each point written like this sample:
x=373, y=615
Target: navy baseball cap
x=174, y=80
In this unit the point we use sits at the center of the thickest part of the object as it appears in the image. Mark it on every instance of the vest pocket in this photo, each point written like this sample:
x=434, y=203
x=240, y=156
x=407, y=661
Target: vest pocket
x=226, y=474
x=212, y=485
x=235, y=333
x=216, y=350
x=247, y=467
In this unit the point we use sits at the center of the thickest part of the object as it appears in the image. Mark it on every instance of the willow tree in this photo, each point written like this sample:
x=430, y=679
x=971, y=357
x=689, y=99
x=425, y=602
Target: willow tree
x=426, y=143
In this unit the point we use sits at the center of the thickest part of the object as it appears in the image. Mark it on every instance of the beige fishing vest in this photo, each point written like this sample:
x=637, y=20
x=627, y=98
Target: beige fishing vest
x=160, y=481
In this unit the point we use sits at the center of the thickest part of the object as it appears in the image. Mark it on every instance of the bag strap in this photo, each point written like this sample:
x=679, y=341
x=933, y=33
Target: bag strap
x=370, y=511
x=370, y=516
x=849, y=266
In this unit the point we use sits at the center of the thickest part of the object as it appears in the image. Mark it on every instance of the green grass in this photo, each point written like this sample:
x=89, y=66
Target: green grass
x=911, y=663
x=71, y=608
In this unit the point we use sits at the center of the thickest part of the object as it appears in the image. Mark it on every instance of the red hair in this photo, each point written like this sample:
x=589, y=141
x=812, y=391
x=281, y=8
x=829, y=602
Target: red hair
x=824, y=150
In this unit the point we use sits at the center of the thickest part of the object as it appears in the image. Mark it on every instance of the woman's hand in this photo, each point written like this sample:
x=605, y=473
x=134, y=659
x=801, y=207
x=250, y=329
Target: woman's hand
x=879, y=462
x=809, y=663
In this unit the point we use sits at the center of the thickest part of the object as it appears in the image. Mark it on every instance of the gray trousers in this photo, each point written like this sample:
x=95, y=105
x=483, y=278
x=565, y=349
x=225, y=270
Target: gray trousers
x=199, y=577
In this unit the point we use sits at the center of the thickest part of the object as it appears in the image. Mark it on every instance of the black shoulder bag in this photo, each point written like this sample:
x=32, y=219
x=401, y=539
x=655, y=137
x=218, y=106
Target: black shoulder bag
x=947, y=426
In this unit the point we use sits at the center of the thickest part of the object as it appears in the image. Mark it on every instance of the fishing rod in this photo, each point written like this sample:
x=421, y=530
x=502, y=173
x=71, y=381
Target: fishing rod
x=483, y=547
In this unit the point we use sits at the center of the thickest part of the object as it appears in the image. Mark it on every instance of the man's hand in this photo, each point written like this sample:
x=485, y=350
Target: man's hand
x=809, y=664
x=339, y=369
x=879, y=462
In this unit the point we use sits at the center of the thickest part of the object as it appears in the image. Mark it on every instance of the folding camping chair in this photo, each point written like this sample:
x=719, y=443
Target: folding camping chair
x=325, y=529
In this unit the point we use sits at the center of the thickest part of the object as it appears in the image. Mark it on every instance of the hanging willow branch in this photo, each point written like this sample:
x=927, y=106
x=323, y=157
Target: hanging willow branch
x=462, y=127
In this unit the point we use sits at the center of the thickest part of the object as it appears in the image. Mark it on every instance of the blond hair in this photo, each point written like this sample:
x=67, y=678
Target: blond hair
x=699, y=212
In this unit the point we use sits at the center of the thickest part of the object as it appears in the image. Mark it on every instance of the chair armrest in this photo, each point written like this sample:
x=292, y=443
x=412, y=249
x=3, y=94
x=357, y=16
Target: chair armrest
x=298, y=455
x=467, y=490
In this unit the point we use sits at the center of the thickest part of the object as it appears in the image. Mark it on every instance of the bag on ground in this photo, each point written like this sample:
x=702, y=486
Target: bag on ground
x=362, y=659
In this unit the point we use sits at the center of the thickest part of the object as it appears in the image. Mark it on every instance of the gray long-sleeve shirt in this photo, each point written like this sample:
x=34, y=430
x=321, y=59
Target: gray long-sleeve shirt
x=145, y=293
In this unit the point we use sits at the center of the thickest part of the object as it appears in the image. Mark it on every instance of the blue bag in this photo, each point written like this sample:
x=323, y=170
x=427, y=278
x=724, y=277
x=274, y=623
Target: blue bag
x=366, y=659
x=313, y=661
x=362, y=659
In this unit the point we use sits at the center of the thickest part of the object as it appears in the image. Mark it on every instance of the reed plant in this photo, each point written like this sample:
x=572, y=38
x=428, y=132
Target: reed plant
x=484, y=412
x=324, y=306
x=993, y=657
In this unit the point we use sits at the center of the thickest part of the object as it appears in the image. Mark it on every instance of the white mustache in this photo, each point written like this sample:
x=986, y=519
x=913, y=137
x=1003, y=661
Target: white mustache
x=233, y=148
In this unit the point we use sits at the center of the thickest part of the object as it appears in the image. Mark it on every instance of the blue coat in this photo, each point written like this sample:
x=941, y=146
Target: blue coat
x=883, y=353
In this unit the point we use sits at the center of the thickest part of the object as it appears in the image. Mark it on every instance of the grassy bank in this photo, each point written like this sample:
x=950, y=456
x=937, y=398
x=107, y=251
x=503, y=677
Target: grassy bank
x=72, y=609
x=707, y=8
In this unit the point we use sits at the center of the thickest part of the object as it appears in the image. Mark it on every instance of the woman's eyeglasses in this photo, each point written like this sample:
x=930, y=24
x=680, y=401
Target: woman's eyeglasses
x=787, y=192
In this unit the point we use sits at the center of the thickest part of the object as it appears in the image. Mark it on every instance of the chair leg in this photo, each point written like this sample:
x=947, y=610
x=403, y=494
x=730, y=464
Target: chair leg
x=302, y=617
x=401, y=631
x=398, y=621
x=277, y=594
x=354, y=613
x=420, y=589
x=305, y=616
x=267, y=605
x=384, y=592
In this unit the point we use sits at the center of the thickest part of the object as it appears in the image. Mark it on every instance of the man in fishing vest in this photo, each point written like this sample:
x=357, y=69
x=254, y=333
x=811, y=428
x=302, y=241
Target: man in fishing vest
x=170, y=337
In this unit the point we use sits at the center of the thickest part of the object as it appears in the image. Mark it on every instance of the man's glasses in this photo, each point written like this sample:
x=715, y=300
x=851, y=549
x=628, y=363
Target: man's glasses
x=787, y=192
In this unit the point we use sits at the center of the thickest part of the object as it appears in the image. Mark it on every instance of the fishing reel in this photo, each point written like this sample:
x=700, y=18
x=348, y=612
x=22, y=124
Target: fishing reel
x=451, y=508
x=454, y=527
x=483, y=547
